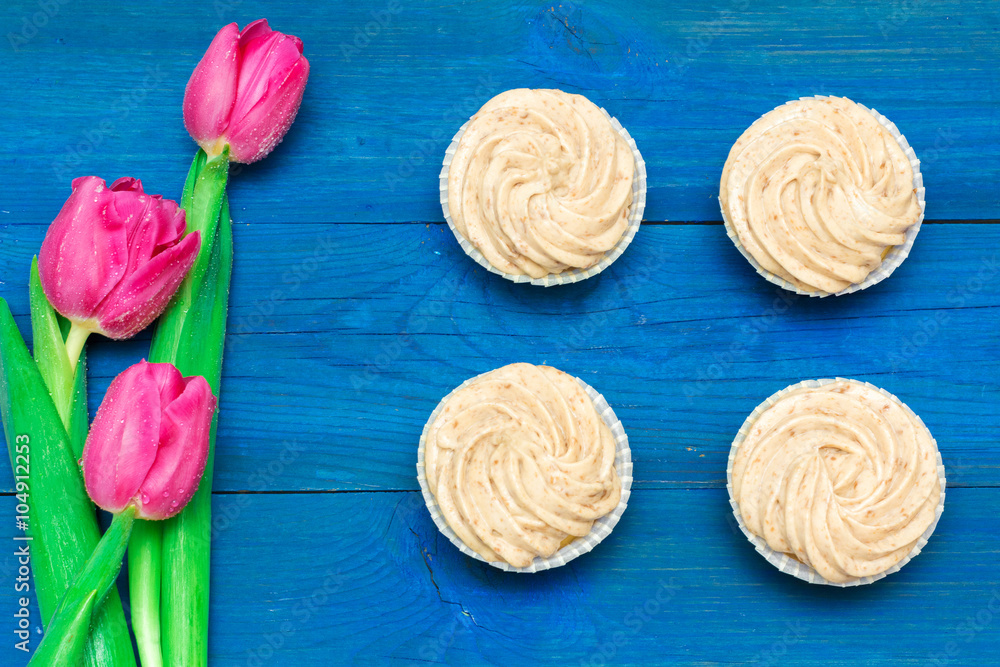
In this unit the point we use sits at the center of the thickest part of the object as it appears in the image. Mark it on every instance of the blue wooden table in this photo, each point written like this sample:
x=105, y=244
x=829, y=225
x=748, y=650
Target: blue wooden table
x=354, y=311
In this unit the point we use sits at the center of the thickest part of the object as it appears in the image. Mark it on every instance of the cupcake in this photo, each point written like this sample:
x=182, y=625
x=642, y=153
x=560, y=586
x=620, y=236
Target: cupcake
x=543, y=186
x=823, y=196
x=836, y=482
x=524, y=467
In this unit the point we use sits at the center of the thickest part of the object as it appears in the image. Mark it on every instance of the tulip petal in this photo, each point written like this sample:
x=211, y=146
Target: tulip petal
x=137, y=210
x=256, y=133
x=153, y=225
x=260, y=60
x=126, y=184
x=258, y=28
x=266, y=77
x=99, y=262
x=169, y=382
x=143, y=295
x=211, y=90
x=85, y=251
x=184, y=442
x=123, y=440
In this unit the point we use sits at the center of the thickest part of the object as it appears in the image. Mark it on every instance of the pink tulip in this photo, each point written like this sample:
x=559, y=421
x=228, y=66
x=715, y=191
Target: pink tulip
x=148, y=444
x=246, y=91
x=114, y=257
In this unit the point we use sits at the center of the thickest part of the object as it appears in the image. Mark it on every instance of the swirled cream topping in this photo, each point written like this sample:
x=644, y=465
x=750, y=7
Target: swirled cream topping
x=841, y=477
x=520, y=463
x=541, y=182
x=817, y=191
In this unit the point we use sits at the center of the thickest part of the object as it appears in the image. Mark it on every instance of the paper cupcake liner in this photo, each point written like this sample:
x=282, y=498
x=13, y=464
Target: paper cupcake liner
x=636, y=211
x=789, y=564
x=579, y=546
x=890, y=261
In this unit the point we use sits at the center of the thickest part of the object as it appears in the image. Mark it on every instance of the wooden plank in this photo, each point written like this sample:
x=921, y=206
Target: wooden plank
x=685, y=81
x=329, y=382
x=367, y=578
x=346, y=335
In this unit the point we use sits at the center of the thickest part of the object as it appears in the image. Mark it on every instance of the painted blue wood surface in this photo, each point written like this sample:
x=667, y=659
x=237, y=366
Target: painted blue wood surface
x=367, y=579
x=354, y=312
x=685, y=81
x=350, y=364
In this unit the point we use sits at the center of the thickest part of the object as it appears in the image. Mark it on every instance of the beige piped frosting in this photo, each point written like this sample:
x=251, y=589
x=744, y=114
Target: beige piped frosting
x=541, y=182
x=842, y=477
x=817, y=190
x=520, y=463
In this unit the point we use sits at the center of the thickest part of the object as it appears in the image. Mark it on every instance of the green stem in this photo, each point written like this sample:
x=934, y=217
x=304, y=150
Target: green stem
x=144, y=558
x=190, y=334
x=187, y=538
x=51, y=355
x=67, y=387
x=79, y=419
x=145, y=573
x=43, y=404
x=202, y=202
x=66, y=634
x=75, y=341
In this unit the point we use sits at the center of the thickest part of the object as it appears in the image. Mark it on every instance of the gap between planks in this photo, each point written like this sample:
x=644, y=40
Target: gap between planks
x=316, y=492
x=678, y=223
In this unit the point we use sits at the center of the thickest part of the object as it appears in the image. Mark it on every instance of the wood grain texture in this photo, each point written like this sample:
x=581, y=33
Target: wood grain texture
x=366, y=579
x=684, y=80
x=354, y=311
x=680, y=335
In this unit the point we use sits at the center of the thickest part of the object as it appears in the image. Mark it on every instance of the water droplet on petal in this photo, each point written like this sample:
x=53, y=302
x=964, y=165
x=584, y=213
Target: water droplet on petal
x=145, y=498
x=166, y=494
x=173, y=503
